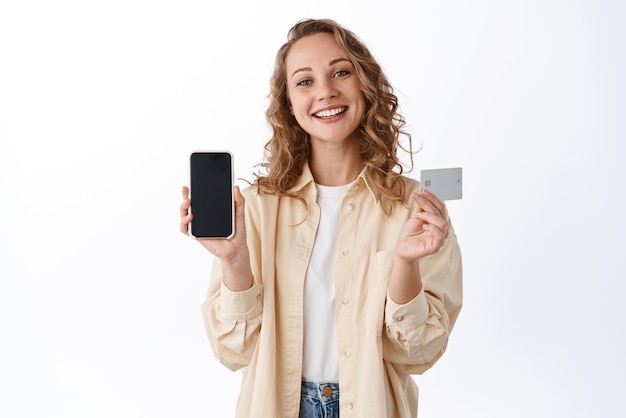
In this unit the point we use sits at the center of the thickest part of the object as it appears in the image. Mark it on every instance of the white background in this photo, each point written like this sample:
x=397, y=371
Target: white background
x=101, y=103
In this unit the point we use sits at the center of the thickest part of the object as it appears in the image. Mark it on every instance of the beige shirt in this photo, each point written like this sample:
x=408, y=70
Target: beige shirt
x=380, y=343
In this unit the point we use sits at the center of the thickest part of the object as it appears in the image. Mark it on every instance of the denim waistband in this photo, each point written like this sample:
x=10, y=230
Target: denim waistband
x=325, y=391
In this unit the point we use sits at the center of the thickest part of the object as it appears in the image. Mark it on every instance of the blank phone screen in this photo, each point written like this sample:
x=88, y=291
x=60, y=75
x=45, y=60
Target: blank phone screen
x=211, y=187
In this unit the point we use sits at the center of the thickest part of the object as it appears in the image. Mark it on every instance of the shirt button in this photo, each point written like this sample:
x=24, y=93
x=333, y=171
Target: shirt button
x=345, y=252
x=350, y=207
x=344, y=301
x=399, y=318
x=258, y=297
x=347, y=354
x=350, y=405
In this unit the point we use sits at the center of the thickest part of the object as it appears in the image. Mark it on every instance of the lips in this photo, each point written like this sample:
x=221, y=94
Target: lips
x=329, y=113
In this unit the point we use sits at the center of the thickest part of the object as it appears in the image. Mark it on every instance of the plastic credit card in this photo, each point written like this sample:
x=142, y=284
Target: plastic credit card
x=445, y=183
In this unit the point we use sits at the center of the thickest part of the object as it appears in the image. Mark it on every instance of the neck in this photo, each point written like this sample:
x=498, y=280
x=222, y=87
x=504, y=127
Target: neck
x=335, y=167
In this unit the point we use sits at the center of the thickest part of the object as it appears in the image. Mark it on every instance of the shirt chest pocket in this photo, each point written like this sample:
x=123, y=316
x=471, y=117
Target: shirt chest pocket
x=374, y=291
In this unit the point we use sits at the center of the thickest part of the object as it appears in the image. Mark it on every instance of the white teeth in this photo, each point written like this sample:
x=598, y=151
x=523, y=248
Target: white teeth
x=331, y=112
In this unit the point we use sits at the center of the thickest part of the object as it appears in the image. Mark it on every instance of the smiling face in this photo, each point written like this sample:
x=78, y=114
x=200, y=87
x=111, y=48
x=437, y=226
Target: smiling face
x=323, y=90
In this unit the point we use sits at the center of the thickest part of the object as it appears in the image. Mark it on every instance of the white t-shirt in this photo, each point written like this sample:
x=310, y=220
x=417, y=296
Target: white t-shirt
x=320, y=363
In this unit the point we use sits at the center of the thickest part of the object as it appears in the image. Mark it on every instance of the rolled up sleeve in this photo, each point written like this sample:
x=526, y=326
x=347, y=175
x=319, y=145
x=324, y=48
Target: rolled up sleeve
x=417, y=332
x=232, y=320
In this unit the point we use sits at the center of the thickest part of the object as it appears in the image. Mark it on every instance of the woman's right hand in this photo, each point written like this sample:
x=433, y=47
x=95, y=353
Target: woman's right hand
x=232, y=252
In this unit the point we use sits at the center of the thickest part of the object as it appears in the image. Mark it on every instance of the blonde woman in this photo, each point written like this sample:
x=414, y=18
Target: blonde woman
x=344, y=278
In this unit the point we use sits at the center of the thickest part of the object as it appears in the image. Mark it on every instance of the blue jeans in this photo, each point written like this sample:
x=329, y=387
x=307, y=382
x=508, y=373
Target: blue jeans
x=319, y=400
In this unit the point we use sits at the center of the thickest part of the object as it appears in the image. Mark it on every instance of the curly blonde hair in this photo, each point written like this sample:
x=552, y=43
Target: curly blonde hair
x=289, y=147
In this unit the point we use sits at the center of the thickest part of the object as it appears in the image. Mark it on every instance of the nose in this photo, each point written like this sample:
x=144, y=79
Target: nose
x=326, y=90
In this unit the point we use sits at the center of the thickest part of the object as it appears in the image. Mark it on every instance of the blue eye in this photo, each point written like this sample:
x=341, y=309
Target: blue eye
x=342, y=73
x=303, y=83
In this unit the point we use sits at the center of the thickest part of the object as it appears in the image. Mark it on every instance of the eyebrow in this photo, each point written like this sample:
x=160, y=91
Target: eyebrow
x=331, y=63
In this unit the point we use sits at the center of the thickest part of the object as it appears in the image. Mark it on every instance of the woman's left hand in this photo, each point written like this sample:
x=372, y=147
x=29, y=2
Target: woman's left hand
x=425, y=232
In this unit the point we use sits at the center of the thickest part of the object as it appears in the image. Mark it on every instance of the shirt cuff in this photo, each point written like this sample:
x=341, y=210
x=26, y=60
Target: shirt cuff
x=408, y=315
x=242, y=305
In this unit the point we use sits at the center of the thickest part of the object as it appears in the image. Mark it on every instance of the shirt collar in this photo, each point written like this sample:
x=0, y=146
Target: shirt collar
x=306, y=178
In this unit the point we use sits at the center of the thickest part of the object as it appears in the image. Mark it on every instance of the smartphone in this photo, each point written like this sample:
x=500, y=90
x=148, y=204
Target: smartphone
x=445, y=183
x=211, y=192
